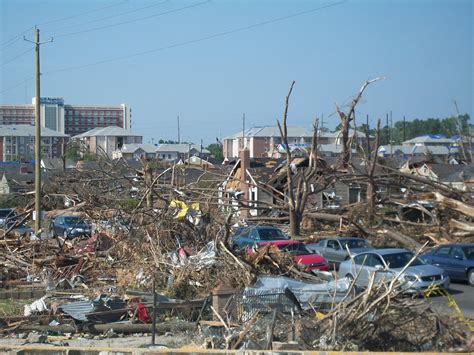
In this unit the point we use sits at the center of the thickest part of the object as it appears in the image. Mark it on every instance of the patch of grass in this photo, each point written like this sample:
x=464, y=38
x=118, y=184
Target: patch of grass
x=11, y=307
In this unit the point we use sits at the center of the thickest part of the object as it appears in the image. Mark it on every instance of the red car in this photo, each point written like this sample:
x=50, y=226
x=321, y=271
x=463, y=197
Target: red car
x=302, y=256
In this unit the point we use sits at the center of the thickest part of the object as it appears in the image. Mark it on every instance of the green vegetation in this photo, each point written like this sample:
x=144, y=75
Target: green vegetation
x=11, y=307
x=128, y=204
x=410, y=129
x=216, y=151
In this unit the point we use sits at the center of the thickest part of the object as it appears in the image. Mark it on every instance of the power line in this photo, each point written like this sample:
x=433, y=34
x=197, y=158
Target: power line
x=131, y=21
x=16, y=57
x=16, y=38
x=17, y=84
x=205, y=38
x=111, y=16
x=81, y=14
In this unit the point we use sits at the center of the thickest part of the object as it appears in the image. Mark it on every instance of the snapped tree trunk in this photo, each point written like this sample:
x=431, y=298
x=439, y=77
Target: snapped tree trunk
x=295, y=223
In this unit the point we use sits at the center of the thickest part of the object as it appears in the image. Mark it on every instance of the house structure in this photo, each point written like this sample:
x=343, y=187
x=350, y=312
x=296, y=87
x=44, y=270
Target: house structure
x=136, y=151
x=57, y=164
x=107, y=140
x=17, y=142
x=458, y=176
x=16, y=178
x=244, y=189
x=411, y=151
x=177, y=151
x=430, y=141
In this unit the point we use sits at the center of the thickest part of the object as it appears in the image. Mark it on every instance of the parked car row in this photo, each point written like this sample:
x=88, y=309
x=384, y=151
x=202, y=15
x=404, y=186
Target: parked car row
x=356, y=259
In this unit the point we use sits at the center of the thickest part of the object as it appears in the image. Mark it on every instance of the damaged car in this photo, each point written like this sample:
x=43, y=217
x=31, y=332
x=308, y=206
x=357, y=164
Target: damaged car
x=386, y=264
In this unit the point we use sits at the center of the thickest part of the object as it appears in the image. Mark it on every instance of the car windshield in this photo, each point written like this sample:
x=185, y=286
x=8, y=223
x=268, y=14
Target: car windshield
x=5, y=213
x=469, y=252
x=271, y=234
x=74, y=220
x=399, y=260
x=295, y=249
x=354, y=244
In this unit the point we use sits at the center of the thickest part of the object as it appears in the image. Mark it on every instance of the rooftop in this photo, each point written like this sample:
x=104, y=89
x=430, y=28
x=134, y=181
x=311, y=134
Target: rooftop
x=107, y=131
x=429, y=139
x=180, y=148
x=23, y=130
x=132, y=148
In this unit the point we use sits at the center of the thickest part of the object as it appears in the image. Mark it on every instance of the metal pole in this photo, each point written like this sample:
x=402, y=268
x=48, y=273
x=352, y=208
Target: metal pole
x=37, y=137
x=153, y=329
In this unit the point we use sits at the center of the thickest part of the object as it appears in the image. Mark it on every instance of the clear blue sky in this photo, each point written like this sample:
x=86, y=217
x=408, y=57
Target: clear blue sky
x=423, y=48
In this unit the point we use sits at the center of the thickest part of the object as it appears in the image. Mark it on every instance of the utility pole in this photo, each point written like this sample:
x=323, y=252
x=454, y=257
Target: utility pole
x=179, y=137
x=243, y=131
x=37, y=44
x=391, y=138
x=404, y=129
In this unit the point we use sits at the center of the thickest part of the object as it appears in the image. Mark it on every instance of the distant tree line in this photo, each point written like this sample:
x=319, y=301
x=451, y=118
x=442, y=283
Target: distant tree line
x=401, y=131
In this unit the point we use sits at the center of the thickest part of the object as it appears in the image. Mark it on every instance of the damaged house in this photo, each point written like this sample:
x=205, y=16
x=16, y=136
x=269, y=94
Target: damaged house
x=244, y=186
x=460, y=176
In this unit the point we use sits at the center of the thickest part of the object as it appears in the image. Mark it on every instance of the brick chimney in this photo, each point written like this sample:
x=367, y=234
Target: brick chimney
x=244, y=155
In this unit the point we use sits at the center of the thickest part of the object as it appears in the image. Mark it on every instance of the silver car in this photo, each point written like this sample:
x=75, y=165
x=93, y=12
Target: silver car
x=335, y=249
x=388, y=262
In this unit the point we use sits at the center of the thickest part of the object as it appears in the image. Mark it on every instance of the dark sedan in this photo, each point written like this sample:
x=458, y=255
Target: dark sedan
x=456, y=259
x=247, y=237
x=69, y=227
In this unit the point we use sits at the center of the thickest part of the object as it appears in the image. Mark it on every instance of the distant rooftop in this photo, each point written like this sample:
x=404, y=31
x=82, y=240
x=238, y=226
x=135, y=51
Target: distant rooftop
x=23, y=130
x=107, y=131
x=132, y=148
x=430, y=139
x=273, y=131
x=180, y=148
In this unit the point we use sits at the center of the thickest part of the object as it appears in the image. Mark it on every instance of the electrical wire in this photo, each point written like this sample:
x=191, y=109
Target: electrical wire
x=16, y=38
x=202, y=39
x=134, y=20
x=16, y=57
x=109, y=17
x=81, y=14
x=18, y=84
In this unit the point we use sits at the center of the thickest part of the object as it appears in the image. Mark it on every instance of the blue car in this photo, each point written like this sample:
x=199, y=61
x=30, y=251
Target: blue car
x=69, y=227
x=247, y=237
x=456, y=259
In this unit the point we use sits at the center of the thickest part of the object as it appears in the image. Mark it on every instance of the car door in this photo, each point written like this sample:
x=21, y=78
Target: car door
x=340, y=253
x=331, y=249
x=455, y=263
x=361, y=271
x=441, y=258
x=59, y=226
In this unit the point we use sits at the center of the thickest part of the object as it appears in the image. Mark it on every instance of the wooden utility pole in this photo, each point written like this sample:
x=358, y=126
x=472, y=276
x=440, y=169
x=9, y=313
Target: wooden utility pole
x=37, y=44
x=243, y=131
x=179, y=136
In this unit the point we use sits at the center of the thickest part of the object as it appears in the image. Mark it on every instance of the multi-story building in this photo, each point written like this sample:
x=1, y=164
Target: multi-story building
x=17, y=143
x=266, y=141
x=68, y=119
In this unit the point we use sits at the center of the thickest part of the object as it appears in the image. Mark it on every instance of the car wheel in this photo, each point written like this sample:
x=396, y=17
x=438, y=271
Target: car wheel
x=470, y=277
x=350, y=277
